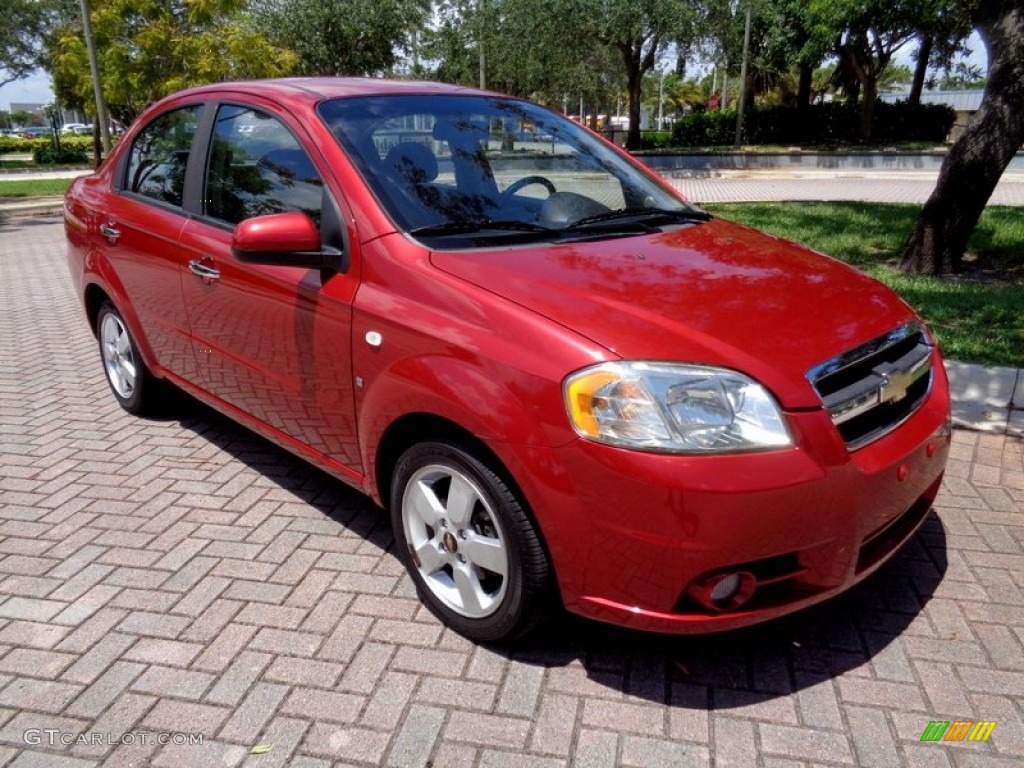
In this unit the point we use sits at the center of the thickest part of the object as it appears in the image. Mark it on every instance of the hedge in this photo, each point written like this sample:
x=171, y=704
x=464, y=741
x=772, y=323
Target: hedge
x=833, y=123
x=50, y=155
x=17, y=144
x=655, y=139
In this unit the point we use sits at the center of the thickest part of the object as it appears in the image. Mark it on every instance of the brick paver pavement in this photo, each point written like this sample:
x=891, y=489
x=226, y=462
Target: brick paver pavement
x=185, y=576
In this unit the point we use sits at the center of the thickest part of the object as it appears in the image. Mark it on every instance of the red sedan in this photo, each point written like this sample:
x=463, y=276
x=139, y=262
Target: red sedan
x=569, y=386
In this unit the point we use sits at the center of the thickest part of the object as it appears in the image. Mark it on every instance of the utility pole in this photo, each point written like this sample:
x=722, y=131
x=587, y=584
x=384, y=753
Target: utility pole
x=661, y=103
x=743, y=81
x=97, y=86
x=725, y=86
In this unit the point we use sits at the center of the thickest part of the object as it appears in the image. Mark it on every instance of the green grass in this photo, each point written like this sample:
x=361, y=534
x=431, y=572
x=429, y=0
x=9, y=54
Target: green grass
x=976, y=320
x=33, y=187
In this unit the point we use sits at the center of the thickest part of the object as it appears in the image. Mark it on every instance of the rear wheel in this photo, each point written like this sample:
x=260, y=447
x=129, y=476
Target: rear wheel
x=468, y=543
x=130, y=380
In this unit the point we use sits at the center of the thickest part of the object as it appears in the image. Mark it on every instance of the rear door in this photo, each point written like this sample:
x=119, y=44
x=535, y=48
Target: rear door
x=139, y=233
x=271, y=341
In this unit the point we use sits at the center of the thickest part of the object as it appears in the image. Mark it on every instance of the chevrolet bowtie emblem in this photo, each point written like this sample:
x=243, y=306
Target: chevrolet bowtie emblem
x=894, y=385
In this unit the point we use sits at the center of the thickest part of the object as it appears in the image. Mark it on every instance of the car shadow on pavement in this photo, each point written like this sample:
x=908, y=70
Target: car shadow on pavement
x=747, y=668
x=752, y=666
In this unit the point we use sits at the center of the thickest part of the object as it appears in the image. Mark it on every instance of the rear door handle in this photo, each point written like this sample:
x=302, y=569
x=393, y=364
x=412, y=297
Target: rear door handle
x=209, y=274
x=111, y=232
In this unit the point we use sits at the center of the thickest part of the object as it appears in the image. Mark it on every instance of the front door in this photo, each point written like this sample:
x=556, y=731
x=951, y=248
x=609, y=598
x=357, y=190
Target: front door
x=271, y=341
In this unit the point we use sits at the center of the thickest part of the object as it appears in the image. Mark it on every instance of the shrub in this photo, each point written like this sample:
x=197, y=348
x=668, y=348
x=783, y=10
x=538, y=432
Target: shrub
x=50, y=155
x=655, y=139
x=9, y=144
x=705, y=129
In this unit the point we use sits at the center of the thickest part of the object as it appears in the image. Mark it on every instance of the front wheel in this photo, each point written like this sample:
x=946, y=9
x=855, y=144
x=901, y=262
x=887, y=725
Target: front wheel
x=468, y=544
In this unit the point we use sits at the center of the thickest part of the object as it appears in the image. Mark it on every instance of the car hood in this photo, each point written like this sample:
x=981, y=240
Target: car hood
x=715, y=293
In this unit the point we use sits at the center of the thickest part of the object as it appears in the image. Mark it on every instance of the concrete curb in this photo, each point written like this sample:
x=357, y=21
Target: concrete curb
x=33, y=206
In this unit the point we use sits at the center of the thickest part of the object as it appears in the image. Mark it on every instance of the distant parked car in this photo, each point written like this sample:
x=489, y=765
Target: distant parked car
x=76, y=129
x=34, y=132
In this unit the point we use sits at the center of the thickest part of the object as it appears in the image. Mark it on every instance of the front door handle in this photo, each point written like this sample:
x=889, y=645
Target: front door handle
x=209, y=274
x=111, y=232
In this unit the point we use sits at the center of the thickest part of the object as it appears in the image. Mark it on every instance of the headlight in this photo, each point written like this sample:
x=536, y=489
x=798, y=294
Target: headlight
x=673, y=408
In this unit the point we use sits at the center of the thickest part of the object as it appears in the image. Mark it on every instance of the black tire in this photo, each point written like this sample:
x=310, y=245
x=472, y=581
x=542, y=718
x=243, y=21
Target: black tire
x=119, y=354
x=525, y=595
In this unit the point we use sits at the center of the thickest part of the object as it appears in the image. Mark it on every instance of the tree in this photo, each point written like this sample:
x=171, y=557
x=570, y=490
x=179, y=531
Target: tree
x=343, y=37
x=554, y=51
x=452, y=44
x=975, y=162
x=638, y=30
x=148, y=49
x=20, y=39
x=24, y=118
x=942, y=36
x=25, y=33
x=541, y=49
x=867, y=35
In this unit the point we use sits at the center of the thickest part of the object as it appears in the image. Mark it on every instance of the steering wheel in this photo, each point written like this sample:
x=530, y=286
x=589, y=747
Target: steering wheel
x=526, y=181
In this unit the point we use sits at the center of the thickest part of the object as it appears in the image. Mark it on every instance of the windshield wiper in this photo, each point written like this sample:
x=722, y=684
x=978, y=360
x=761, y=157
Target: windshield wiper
x=637, y=213
x=470, y=227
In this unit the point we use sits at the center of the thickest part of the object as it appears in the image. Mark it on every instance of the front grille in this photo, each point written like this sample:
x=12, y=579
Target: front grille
x=872, y=389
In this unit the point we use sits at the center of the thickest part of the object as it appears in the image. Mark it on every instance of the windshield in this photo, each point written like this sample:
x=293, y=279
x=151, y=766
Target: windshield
x=465, y=169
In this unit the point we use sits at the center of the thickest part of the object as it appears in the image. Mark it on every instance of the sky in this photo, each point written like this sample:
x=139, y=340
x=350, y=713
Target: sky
x=33, y=90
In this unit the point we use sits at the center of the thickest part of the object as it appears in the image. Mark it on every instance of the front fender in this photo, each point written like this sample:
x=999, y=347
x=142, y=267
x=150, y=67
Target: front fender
x=494, y=409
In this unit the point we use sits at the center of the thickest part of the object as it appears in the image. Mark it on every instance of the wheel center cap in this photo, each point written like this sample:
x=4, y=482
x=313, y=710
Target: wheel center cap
x=450, y=543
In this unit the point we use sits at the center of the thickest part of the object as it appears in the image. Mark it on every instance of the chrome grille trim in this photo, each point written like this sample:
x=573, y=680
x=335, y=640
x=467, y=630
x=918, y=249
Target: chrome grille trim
x=887, y=382
x=848, y=358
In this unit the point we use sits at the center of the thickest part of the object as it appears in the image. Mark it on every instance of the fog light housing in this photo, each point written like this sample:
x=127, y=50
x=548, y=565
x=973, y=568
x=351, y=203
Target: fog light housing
x=724, y=591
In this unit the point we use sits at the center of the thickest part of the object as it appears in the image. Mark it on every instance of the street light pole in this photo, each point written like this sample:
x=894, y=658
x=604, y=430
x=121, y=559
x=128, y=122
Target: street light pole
x=661, y=103
x=480, y=43
x=97, y=86
x=743, y=81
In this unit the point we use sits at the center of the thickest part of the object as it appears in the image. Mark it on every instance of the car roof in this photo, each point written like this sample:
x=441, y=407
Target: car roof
x=321, y=88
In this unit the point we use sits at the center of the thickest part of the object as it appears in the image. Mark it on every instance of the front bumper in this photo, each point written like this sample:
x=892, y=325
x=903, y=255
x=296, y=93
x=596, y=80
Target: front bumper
x=630, y=532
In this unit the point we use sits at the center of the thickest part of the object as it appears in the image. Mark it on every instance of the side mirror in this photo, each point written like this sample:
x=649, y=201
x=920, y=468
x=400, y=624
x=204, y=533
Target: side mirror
x=282, y=239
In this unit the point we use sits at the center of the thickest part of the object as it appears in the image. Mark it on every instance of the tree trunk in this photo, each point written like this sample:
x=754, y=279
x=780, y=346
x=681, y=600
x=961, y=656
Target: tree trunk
x=97, y=147
x=803, y=93
x=867, y=107
x=974, y=164
x=924, y=52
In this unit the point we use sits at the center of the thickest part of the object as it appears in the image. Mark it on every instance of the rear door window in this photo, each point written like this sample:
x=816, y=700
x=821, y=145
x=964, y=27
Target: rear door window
x=159, y=156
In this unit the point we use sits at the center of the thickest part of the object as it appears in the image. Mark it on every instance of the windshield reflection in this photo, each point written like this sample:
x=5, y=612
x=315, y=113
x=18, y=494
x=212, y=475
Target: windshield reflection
x=474, y=168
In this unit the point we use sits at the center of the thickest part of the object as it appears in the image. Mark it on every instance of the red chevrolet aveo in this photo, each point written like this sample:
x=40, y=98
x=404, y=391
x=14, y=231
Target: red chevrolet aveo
x=569, y=386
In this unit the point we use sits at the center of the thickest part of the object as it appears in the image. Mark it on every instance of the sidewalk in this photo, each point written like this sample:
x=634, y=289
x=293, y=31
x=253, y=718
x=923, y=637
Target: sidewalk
x=987, y=399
